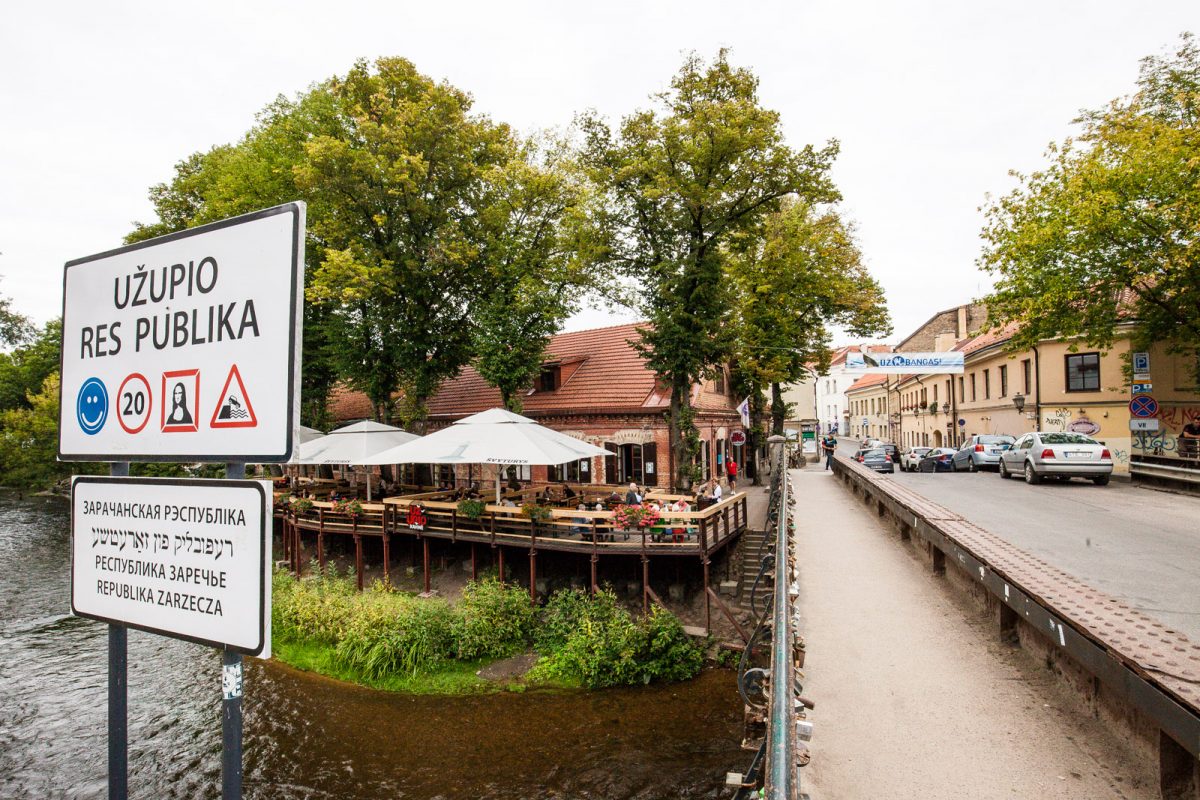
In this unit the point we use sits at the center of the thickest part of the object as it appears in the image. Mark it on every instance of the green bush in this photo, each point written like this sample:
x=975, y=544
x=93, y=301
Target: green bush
x=391, y=633
x=559, y=619
x=471, y=509
x=493, y=620
x=316, y=609
x=597, y=643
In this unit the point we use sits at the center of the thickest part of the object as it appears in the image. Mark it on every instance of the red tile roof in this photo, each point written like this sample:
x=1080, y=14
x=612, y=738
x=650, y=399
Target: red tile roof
x=987, y=338
x=867, y=380
x=601, y=372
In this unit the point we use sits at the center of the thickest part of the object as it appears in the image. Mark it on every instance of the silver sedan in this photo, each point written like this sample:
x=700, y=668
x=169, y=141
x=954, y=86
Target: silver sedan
x=1062, y=455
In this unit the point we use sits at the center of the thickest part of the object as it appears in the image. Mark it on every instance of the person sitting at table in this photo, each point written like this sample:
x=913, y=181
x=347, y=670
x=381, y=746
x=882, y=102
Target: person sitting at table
x=633, y=497
x=568, y=492
x=614, y=499
x=581, y=523
x=546, y=497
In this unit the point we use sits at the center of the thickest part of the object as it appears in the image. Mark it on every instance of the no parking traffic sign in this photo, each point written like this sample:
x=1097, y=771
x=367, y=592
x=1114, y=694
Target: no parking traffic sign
x=1143, y=406
x=185, y=347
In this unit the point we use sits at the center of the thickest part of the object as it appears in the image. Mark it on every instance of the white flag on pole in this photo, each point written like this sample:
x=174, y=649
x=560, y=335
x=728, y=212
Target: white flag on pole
x=744, y=411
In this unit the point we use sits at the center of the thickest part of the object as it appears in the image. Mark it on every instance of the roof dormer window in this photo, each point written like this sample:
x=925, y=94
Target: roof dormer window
x=548, y=380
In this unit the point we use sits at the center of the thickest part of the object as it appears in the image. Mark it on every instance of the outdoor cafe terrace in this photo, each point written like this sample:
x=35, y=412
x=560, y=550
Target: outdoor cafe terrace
x=565, y=527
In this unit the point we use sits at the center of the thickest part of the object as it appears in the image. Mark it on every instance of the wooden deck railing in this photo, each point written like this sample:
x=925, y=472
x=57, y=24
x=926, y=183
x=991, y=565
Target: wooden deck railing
x=680, y=533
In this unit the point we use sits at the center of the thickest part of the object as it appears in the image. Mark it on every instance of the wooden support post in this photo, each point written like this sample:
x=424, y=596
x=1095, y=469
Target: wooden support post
x=320, y=548
x=595, y=565
x=533, y=577
x=358, y=561
x=387, y=551
x=454, y=524
x=645, y=582
x=707, y=604
x=474, y=569
x=425, y=546
x=501, y=556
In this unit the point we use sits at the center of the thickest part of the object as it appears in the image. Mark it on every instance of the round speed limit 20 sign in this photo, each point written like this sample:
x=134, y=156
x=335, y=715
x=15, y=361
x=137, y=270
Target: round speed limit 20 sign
x=133, y=403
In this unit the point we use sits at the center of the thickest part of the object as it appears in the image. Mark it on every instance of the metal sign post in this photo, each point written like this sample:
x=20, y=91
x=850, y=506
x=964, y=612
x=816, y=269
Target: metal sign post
x=118, y=693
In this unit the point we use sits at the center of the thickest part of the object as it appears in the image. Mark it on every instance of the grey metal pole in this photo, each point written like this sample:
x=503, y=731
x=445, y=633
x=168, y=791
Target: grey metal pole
x=782, y=780
x=231, y=704
x=118, y=693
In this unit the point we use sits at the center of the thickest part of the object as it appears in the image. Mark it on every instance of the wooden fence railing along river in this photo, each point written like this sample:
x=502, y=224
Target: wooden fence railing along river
x=426, y=516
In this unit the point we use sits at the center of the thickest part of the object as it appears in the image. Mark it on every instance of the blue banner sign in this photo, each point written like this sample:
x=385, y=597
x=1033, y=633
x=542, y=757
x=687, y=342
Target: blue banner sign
x=905, y=363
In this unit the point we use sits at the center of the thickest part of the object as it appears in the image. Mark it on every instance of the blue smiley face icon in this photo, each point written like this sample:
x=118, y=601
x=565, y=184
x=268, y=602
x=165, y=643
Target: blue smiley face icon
x=91, y=406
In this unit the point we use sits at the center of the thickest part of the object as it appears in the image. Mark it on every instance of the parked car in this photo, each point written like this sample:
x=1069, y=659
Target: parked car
x=938, y=459
x=981, y=451
x=911, y=457
x=877, y=459
x=1054, y=454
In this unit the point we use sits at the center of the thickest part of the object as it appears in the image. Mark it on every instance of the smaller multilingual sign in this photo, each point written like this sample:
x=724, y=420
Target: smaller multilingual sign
x=182, y=558
x=1143, y=388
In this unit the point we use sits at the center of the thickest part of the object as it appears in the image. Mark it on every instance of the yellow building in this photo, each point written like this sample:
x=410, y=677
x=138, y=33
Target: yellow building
x=867, y=406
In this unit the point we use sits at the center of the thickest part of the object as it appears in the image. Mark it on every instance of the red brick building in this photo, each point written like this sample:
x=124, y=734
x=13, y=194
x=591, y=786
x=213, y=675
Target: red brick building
x=595, y=386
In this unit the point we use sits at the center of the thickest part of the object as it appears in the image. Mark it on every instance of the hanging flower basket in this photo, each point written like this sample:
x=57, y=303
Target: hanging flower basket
x=351, y=508
x=635, y=516
x=300, y=505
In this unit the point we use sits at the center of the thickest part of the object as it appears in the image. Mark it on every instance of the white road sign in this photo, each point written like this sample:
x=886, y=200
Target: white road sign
x=186, y=347
x=1143, y=424
x=183, y=558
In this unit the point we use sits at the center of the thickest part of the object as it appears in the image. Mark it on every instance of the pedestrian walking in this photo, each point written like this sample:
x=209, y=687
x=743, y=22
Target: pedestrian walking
x=731, y=471
x=830, y=445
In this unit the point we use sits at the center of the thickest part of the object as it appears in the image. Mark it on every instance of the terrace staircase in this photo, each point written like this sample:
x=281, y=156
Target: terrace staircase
x=752, y=545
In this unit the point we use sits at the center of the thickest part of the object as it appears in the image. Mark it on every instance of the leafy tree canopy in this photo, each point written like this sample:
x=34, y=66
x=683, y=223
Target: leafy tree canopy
x=1107, y=232
x=680, y=181
x=803, y=275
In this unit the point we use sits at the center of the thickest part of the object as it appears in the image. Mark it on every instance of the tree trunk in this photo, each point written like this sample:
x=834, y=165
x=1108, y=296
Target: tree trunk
x=680, y=402
x=778, y=410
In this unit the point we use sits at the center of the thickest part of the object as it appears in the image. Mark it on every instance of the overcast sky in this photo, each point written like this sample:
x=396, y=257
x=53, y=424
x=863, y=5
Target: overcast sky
x=933, y=101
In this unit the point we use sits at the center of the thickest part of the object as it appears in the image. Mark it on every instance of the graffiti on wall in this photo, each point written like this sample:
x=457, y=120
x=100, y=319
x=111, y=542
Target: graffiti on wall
x=1177, y=438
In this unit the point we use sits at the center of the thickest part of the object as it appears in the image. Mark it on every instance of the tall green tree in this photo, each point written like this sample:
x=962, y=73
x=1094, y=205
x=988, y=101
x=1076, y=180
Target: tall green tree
x=797, y=281
x=259, y=172
x=537, y=250
x=1107, y=232
x=26, y=367
x=681, y=181
x=405, y=174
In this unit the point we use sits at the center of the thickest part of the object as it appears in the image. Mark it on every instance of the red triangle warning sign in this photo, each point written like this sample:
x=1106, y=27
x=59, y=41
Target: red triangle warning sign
x=233, y=406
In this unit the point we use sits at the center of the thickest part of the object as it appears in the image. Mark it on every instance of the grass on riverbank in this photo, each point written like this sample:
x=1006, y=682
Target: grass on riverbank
x=395, y=641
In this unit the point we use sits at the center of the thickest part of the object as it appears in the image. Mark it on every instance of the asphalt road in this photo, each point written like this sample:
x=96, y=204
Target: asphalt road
x=1139, y=545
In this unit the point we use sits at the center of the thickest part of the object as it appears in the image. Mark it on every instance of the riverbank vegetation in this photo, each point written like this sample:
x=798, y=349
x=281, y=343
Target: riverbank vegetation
x=396, y=641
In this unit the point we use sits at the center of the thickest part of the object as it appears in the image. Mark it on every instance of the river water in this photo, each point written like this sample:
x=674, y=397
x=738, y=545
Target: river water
x=309, y=737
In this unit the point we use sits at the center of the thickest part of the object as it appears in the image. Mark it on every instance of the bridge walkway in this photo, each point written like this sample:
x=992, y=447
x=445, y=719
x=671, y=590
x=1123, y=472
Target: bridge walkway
x=915, y=695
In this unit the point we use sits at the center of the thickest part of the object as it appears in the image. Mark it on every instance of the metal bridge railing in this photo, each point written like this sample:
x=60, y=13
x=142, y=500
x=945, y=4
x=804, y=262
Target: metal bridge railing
x=767, y=671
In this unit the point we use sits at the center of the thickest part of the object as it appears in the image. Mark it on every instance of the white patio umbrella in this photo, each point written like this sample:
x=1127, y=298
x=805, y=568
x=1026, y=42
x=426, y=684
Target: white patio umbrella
x=354, y=444
x=308, y=434
x=497, y=437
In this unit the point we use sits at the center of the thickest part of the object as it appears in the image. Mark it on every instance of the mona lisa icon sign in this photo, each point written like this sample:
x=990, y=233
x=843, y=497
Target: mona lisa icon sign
x=180, y=401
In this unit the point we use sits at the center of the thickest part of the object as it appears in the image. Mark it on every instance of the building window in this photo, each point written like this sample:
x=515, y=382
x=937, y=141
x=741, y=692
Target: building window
x=719, y=382
x=1083, y=372
x=973, y=396
x=1026, y=373
x=962, y=392
x=548, y=380
x=935, y=394
x=987, y=384
x=566, y=473
x=1004, y=381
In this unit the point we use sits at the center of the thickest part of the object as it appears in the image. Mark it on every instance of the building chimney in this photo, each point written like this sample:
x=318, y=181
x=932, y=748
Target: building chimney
x=962, y=322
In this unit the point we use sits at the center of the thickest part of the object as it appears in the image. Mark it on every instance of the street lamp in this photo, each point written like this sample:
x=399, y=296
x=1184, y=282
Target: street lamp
x=945, y=408
x=1019, y=402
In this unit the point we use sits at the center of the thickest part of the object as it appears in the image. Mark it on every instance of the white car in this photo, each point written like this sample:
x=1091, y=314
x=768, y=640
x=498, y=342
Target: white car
x=911, y=457
x=1053, y=454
